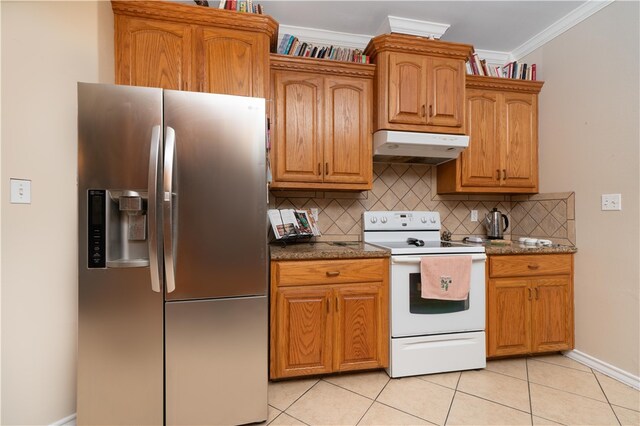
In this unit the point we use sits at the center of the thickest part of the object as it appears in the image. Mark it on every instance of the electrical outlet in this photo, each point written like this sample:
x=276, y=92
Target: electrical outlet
x=20, y=191
x=474, y=215
x=611, y=202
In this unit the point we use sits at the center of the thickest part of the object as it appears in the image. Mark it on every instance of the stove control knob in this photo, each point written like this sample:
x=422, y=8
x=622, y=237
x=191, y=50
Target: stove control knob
x=423, y=219
x=383, y=219
x=374, y=219
x=432, y=220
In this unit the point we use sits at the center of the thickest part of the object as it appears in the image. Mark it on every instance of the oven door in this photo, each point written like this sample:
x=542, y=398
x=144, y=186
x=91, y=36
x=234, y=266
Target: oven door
x=411, y=315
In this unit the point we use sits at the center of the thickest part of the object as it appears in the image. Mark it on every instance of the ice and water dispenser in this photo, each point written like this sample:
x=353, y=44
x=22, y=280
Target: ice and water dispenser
x=117, y=229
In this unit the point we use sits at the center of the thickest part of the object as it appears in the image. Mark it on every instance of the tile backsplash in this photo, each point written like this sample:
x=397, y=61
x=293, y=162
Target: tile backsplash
x=413, y=187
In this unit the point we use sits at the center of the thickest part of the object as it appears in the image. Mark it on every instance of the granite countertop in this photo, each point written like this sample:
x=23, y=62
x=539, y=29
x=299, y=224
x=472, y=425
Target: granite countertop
x=516, y=248
x=329, y=250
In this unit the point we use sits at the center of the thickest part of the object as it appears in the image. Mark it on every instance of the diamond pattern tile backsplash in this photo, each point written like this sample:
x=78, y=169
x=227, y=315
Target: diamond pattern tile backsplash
x=413, y=187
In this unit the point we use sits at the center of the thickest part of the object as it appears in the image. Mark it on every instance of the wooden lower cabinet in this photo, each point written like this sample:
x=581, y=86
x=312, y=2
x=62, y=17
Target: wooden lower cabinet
x=326, y=321
x=529, y=304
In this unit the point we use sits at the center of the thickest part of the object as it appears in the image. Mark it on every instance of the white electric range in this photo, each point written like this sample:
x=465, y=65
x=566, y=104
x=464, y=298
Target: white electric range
x=428, y=335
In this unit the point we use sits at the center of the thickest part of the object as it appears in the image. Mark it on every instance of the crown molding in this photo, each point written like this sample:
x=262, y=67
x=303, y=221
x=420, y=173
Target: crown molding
x=396, y=24
x=494, y=57
x=560, y=26
x=325, y=37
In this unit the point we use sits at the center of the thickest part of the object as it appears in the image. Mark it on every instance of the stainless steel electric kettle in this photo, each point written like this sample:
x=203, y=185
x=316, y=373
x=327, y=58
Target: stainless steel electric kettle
x=496, y=223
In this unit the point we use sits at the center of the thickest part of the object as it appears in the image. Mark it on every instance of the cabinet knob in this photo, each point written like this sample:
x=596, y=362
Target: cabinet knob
x=504, y=174
x=430, y=110
x=326, y=169
x=537, y=294
x=333, y=273
x=529, y=293
x=422, y=111
x=497, y=174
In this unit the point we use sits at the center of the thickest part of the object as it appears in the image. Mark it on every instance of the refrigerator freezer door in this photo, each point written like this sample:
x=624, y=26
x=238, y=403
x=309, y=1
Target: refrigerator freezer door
x=219, y=195
x=120, y=317
x=216, y=355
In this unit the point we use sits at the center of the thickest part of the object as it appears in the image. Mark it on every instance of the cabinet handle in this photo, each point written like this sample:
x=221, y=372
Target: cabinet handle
x=497, y=174
x=533, y=266
x=422, y=110
x=326, y=169
x=430, y=110
x=504, y=174
x=537, y=294
x=333, y=273
x=319, y=169
x=529, y=293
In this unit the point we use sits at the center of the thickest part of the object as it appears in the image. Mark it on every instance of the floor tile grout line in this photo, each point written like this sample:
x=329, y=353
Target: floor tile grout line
x=301, y=395
x=455, y=392
x=365, y=412
x=571, y=393
x=405, y=412
x=495, y=402
x=506, y=375
x=349, y=390
x=606, y=397
x=558, y=365
x=626, y=408
x=526, y=369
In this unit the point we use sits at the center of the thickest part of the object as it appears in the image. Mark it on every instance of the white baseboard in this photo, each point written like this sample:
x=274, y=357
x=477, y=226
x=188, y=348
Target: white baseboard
x=64, y=421
x=605, y=368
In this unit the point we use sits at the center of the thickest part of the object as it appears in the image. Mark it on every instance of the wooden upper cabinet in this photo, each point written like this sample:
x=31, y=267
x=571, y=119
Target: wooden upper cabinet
x=419, y=84
x=407, y=89
x=153, y=53
x=298, y=139
x=347, y=110
x=502, y=124
x=321, y=132
x=446, y=91
x=243, y=55
x=186, y=47
x=520, y=140
x=480, y=162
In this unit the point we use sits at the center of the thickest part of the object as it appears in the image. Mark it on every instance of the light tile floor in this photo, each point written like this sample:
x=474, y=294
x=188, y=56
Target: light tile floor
x=542, y=390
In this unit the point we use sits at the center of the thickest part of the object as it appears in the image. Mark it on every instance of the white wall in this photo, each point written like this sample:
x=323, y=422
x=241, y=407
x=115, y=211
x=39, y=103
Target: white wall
x=589, y=143
x=46, y=48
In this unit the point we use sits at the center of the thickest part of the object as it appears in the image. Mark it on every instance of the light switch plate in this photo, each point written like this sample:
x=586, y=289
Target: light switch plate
x=611, y=202
x=20, y=191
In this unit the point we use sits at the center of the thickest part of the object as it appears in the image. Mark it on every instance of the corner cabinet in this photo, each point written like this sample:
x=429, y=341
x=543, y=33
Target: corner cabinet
x=502, y=124
x=328, y=316
x=321, y=124
x=419, y=84
x=529, y=304
x=183, y=47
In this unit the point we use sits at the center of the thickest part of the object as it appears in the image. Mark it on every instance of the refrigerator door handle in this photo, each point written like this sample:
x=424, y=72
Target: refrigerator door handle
x=152, y=211
x=168, y=219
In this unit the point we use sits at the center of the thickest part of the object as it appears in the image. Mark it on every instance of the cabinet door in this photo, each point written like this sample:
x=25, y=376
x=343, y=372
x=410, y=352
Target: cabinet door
x=520, y=140
x=231, y=62
x=297, y=149
x=509, y=317
x=347, y=141
x=407, y=91
x=551, y=315
x=445, y=89
x=303, y=331
x=361, y=327
x=153, y=53
x=480, y=162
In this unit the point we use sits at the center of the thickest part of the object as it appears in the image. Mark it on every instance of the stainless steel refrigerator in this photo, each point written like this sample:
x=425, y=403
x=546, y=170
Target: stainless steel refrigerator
x=172, y=198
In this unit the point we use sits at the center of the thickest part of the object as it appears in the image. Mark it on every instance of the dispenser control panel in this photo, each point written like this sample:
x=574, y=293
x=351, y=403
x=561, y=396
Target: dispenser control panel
x=97, y=225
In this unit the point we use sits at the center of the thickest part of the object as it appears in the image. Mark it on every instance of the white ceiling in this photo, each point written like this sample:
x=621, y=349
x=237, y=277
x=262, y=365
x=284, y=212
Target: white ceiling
x=488, y=25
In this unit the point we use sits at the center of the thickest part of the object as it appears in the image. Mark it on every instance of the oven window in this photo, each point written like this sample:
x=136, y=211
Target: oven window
x=418, y=305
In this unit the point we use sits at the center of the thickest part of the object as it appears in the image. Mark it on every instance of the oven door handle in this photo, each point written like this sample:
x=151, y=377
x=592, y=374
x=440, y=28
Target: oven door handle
x=411, y=260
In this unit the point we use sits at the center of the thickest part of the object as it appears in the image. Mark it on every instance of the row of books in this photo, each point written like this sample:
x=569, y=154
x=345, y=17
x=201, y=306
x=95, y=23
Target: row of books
x=291, y=45
x=518, y=70
x=241, y=6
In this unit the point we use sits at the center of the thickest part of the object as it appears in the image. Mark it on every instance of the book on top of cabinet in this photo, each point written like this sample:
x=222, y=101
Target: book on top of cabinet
x=292, y=46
